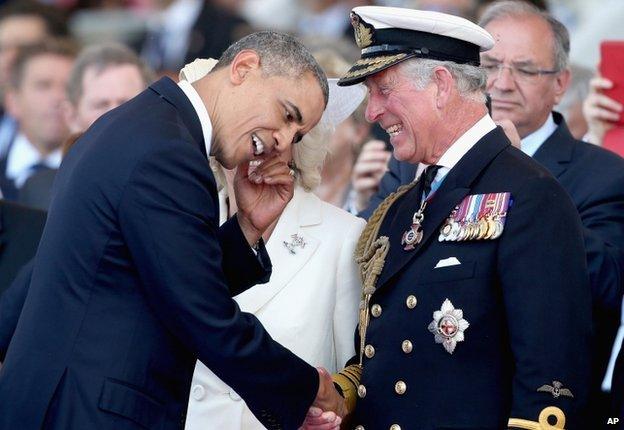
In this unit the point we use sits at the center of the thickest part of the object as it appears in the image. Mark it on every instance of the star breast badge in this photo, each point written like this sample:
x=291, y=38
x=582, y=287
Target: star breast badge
x=448, y=326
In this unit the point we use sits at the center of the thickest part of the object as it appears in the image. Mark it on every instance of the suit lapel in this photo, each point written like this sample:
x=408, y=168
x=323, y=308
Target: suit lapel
x=455, y=187
x=303, y=210
x=172, y=93
x=556, y=151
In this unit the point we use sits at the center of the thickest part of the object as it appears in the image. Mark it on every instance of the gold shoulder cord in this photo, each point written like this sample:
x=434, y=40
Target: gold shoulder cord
x=542, y=423
x=370, y=255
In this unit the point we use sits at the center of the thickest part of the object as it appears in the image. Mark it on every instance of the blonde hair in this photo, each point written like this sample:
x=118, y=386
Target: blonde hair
x=309, y=155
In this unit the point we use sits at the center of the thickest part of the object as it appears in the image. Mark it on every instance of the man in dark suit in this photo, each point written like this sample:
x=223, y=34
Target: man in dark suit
x=476, y=305
x=527, y=76
x=132, y=280
x=20, y=231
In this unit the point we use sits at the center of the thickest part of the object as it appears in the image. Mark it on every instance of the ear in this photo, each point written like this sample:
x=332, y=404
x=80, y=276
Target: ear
x=445, y=83
x=70, y=113
x=245, y=62
x=11, y=103
x=562, y=82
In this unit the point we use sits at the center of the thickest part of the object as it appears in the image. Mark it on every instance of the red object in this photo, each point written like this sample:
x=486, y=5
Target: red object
x=612, y=68
x=614, y=140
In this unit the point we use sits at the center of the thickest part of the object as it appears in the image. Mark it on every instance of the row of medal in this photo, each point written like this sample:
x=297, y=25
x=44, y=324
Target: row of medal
x=477, y=217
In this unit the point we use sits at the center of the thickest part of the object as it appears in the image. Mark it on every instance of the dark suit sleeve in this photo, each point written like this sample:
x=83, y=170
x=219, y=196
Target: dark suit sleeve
x=389, y=183
x=11, y=304
x=237, y=254
x=603, y=222
x=168, y=217
x=547, y=300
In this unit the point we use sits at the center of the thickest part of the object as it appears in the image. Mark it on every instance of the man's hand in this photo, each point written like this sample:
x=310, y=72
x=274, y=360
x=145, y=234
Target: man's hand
x=371, y=165
x=599, y=110
x=261, y=195
x=328, y=408
x=510, y=131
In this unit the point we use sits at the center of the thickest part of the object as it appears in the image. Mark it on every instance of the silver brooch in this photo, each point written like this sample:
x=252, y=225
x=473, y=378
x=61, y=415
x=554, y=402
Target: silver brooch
x=297, y=241
x=448, y=326
x=556, y=390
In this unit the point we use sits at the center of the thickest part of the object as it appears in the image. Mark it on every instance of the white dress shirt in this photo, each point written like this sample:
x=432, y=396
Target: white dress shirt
x=23, y=157
x=530, y=144
x=202, y=113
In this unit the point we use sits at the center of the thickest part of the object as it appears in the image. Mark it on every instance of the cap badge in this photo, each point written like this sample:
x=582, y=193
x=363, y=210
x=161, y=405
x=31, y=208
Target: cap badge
x=364, y=33
x=448, y=326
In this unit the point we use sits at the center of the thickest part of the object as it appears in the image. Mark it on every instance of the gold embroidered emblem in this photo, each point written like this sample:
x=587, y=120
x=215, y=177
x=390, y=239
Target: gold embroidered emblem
x=372, y=65
x=363, y=31
x=556, y=390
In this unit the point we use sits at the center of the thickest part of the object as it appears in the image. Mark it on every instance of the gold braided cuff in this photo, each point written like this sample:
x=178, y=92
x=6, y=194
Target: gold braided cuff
x=348, y=379
x=542, y=423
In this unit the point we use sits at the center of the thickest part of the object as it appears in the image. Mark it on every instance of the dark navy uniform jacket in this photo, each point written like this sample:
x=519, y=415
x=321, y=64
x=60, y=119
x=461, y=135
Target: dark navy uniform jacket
x=525, y=296
x=132, y=283
x=594, y=179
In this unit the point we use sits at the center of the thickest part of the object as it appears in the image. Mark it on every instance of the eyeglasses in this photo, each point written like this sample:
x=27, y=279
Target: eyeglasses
x=519, y=74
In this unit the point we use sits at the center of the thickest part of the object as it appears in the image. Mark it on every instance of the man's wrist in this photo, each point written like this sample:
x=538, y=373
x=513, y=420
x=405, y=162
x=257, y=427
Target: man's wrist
x=252, y=234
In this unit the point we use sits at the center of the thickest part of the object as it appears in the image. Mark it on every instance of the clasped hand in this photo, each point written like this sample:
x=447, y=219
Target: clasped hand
x=329, y=407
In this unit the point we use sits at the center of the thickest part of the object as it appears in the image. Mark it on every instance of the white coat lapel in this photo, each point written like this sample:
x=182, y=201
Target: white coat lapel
x=303, y=210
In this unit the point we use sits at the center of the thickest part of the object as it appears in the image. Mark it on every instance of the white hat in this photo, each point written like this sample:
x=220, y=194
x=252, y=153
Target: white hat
x=389, y=35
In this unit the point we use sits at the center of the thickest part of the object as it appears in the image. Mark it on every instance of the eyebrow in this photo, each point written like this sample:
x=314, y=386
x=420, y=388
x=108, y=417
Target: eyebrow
x=296, y=111
x=518, y=63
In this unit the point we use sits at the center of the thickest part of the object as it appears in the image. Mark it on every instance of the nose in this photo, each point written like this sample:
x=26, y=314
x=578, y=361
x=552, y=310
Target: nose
x=374, y=109
x=283, y=138
x=503, y=79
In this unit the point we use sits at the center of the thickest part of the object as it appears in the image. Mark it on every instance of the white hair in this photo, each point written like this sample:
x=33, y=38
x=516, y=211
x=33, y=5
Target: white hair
x=470, y=80
x=309, y=155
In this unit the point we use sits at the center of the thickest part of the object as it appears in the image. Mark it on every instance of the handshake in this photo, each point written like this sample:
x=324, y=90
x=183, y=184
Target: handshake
x=329, y=407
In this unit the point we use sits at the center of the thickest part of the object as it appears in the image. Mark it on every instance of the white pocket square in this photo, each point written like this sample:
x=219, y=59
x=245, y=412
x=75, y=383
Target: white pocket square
x=446, y=262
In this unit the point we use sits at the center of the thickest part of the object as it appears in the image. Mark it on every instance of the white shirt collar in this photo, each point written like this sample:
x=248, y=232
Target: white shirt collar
x=23, y=156
x=459, y=148
x=533, y=141
x=201, y=110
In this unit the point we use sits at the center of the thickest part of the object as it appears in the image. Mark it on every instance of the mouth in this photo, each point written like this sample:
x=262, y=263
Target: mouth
x=503, y=103
x=257, y=145
x=394, y=130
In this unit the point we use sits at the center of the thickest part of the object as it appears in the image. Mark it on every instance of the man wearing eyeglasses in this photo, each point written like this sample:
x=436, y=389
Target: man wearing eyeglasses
x=527, y=76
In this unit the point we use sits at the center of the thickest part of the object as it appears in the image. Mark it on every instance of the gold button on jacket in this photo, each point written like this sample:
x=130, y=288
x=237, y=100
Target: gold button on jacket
x=411, y=301
x=400, y=387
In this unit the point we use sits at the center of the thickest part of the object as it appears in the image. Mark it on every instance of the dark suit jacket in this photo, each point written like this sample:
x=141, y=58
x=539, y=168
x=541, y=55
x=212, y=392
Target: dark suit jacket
x=130, y=287
x=37, y=190
x=525, y=296
x=20, y=231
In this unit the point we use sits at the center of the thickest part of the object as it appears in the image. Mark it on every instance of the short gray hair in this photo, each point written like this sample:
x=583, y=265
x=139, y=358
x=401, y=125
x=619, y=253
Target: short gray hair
x=515, y=9
x=280, y=55
x=470, y=80
x=101, y=57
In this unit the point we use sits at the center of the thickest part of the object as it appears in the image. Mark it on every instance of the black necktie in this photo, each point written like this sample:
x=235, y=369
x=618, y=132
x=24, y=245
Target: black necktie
x=427, y=178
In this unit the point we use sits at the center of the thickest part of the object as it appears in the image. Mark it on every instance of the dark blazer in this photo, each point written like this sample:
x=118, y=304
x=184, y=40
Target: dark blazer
x=132, y=284
x=525, y=296
x=37, y=190
x=594, y=179
x=20, y=231
x=11, y=304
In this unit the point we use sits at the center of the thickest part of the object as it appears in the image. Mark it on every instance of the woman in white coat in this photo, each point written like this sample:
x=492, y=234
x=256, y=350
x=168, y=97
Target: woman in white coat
x=310, y=305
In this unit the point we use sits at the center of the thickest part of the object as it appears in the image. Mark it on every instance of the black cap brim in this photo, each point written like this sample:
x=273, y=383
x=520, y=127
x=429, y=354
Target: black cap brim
x=369, y=66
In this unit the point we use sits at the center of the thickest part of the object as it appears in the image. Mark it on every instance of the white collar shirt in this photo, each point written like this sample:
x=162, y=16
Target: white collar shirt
x=23, y=157
x=200, y=109
x=530, y=144
x=458, y=149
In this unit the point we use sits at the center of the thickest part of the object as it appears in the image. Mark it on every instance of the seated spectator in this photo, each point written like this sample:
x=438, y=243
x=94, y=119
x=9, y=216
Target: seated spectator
x=35, y=99
x=22, y=23
x=102, y=78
